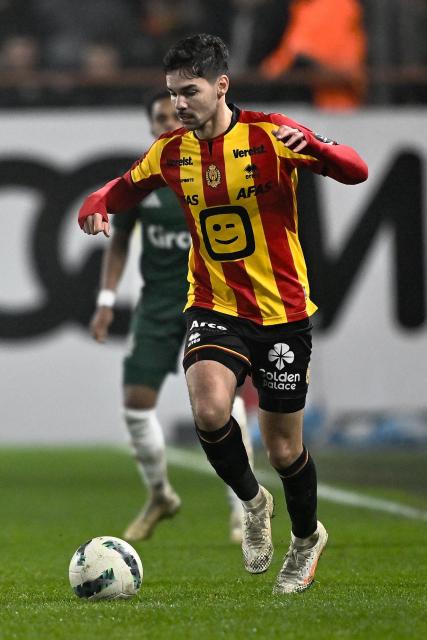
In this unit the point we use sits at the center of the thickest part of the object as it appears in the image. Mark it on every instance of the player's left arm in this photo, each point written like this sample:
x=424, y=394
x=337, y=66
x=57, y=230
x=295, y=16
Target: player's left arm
x=322, y=155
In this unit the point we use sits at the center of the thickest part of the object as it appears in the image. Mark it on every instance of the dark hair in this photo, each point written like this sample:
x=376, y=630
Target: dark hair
x=198, y=56
x=154, y=97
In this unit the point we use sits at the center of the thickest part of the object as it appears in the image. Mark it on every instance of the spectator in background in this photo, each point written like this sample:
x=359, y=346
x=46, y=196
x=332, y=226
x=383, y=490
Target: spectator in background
x=327, y=37
x=100, y=61
x=20, y=54
x=101, y=66
x=19, y=58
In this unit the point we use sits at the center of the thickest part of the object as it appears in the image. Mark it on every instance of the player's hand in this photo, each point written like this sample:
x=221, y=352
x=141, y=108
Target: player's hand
x=100, y=323
x=95, y=224
x=294, y=139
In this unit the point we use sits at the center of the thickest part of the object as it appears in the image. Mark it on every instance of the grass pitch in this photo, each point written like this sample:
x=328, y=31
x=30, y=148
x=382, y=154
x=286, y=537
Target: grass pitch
x=370, y=584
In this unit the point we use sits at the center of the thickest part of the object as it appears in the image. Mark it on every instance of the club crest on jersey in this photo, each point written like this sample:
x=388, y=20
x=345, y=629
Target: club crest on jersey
x=213, y=176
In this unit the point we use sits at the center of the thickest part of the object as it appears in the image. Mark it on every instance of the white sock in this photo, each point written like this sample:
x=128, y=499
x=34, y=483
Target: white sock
x=256, y=503
x=148, y=444
x=239, y=414
x=306, y=543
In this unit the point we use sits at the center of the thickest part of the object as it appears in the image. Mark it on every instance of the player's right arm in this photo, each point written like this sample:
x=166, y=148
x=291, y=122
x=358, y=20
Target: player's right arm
x=113, y=264
x=122, y=193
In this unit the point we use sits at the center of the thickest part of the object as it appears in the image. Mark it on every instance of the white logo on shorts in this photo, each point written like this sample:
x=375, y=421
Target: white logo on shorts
x=281, y=354
x=210, y=325
x=193, y=338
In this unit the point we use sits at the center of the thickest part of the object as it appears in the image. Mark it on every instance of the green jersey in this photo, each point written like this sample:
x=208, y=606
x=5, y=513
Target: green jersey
x=158, y=322
x=165, y=241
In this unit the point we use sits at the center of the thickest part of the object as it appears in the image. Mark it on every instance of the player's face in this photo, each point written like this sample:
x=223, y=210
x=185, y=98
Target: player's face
x=163, y=117
x=195, y=99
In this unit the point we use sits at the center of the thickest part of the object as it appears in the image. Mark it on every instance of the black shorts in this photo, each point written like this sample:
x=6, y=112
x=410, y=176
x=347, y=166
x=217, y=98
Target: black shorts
x=276, y=356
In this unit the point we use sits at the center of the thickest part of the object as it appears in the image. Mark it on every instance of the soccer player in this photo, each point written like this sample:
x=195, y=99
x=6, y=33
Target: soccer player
x=249, y=306
x=157, y=333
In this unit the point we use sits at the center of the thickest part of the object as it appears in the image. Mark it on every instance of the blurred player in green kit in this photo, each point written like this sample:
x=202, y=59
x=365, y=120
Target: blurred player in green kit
x=157, y=332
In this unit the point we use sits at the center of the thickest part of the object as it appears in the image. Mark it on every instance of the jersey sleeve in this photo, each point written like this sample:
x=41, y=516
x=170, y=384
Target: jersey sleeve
x=322, y=155
x=125, y=192
x=145, y=174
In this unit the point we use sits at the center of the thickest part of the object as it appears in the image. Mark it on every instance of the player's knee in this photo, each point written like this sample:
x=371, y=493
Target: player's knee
x=284, y=453
x=139, y=397
x=210, y=413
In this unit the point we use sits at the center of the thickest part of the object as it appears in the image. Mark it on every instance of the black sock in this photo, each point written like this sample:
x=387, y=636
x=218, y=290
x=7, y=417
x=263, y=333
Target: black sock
x=300, y=485
x=226, y=452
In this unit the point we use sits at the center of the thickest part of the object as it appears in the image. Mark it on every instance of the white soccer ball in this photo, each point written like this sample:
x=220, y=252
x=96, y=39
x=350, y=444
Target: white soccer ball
x=105, y=568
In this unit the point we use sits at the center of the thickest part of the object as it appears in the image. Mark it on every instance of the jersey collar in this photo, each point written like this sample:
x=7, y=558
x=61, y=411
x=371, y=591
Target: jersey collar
x=235, y=113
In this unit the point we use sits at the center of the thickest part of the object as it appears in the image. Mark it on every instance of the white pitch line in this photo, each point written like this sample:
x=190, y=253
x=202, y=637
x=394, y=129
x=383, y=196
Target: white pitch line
x=196, y=462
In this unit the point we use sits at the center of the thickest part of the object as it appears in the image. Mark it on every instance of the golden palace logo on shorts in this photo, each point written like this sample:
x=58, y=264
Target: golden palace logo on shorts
x=213, y=176
x=279, y=381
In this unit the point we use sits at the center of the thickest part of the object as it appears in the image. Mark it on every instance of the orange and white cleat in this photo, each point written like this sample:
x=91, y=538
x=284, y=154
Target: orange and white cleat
x=300, y=563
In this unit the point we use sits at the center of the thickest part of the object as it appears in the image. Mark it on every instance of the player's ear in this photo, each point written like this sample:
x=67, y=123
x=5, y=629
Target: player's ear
x=222, y=86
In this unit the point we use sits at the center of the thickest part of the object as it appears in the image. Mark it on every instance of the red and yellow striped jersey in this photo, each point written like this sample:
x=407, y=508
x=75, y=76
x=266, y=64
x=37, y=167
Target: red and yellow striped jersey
x=238, y=192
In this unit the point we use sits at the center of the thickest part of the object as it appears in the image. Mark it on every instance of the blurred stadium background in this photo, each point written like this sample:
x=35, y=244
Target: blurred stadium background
x=73, y=80
x=74, y=77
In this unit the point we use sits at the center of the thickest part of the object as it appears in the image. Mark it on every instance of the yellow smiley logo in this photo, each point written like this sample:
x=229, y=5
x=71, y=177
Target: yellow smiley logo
x=227, y=232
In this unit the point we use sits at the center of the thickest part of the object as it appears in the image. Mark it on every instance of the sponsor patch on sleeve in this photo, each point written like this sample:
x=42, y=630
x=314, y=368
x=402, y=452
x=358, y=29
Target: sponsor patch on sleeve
x=324, y=139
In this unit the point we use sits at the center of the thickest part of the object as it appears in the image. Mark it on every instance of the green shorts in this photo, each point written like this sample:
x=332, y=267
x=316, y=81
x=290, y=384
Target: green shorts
x=156, y=335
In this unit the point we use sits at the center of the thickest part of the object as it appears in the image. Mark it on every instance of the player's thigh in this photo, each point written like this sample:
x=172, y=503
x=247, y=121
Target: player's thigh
x=280, y=367
x=212, y=384
x=215, y=361
x=280, y=372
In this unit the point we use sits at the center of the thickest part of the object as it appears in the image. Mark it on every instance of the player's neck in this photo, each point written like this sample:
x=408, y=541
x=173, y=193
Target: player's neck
x=216, y=125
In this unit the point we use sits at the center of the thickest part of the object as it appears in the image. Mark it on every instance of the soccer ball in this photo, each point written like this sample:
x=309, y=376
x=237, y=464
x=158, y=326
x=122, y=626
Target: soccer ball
x=105, y=568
